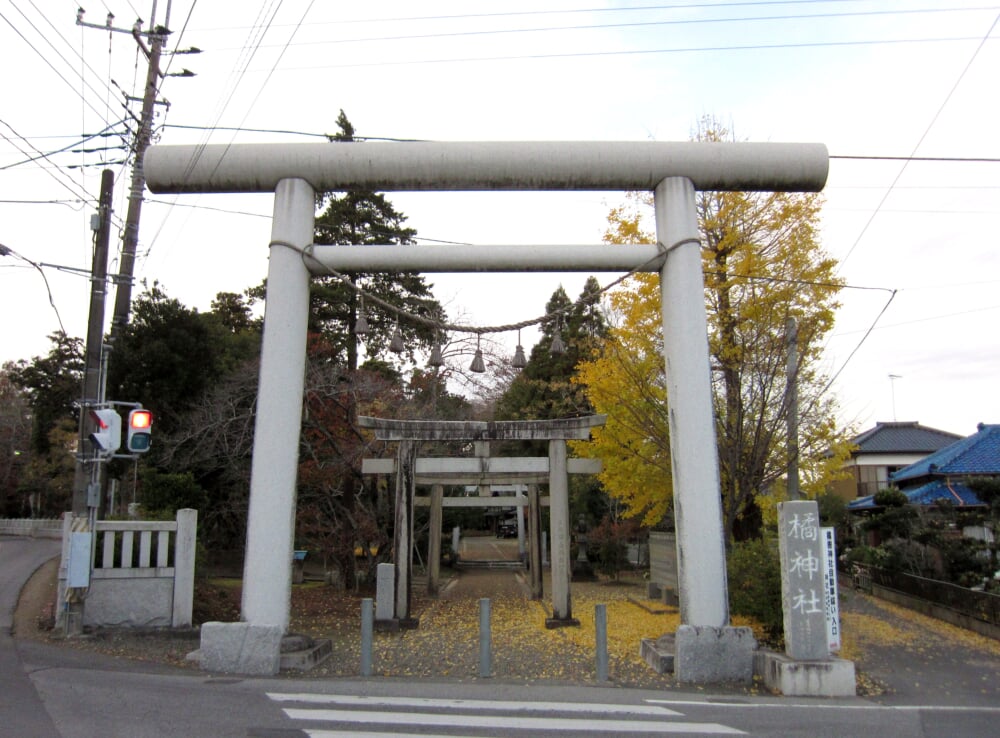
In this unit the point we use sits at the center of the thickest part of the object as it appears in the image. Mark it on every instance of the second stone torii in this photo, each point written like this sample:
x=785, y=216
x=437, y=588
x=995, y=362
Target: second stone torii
x=556, y=432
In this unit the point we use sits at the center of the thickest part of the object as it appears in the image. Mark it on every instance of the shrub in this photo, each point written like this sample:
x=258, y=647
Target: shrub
x=755, y=584
x=610, y=541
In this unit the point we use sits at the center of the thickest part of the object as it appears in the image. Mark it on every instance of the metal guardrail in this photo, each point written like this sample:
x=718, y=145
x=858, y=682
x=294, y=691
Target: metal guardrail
x=984, y=606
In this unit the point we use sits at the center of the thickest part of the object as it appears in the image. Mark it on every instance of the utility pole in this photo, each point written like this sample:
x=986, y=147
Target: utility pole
x=792, y=384
x=95, y=340
x=156, y=36
x=123, y=293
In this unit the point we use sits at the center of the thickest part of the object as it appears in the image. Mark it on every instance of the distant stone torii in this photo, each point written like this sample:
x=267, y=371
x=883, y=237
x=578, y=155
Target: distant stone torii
x=410, y=471
x=673, y=172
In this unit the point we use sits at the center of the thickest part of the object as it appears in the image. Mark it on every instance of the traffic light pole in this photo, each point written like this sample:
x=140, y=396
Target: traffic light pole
x=92, y=378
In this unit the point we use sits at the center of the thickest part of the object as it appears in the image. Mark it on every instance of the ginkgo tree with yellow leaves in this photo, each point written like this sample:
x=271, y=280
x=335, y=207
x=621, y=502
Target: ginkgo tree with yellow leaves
x=763, y=264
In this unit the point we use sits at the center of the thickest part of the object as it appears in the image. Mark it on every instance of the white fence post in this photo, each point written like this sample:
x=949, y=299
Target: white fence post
x=184, y=553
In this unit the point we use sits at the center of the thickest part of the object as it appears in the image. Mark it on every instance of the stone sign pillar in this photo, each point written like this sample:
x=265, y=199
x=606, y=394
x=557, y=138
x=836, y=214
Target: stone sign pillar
x=807, y=667
x=802, y=591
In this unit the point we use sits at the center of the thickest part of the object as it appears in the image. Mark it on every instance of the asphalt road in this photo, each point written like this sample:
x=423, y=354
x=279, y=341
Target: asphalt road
x=52, y=692
x=22, y=712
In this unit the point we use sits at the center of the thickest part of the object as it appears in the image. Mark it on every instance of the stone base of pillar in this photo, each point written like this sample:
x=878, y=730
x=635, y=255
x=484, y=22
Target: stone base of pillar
x=703, y=654
x=800, y=678
x=394, y=625
x=240, y=648
x=709, y=655
x=302, y=653
x=552, y=623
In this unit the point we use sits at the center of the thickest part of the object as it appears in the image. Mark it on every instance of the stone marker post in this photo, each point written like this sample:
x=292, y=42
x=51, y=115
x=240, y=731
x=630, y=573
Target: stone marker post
x=385, y=593
x=802, y=592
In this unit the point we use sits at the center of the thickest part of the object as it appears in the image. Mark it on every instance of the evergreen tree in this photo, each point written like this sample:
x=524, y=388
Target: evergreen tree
x=363, y=217
x=169, y=355
x=545, y=389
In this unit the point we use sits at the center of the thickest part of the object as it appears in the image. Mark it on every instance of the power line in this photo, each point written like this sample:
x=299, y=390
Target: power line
x=59, y=74
x=928, y=319
x=639, y=52
x=70, y=187
x=103, y=132
x=636, y=24
x=966, y=159
x=8, y=251
x=860, y=344
x=567, y=11
x=927, y=130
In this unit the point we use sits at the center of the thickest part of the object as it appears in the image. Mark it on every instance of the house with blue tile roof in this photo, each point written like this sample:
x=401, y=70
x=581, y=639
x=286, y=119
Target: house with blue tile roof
x=885, y=449
x=942, y=475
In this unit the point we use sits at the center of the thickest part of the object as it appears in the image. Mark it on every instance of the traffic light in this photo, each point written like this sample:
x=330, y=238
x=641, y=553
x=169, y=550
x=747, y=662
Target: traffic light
x=140, y=424
x=107, y=436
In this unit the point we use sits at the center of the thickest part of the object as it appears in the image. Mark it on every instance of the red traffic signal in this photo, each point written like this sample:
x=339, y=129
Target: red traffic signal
x=138, y=438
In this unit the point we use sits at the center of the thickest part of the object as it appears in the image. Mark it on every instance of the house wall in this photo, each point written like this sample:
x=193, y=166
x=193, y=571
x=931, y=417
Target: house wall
x=870, y=473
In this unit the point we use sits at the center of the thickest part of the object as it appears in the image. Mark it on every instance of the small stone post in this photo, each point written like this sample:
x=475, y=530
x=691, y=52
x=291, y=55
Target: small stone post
x=385, y=597
x=184, y=554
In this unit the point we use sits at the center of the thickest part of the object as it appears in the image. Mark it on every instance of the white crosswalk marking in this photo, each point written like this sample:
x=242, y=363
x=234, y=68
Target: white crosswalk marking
x=351, y=715
x=460, y=704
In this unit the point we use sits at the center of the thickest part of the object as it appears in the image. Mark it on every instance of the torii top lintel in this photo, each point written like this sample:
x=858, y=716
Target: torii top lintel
x=507, y=165
x=500, y=430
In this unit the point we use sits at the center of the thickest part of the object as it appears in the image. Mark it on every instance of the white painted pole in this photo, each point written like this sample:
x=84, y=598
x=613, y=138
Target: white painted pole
x=701, y=560
x=267, y=579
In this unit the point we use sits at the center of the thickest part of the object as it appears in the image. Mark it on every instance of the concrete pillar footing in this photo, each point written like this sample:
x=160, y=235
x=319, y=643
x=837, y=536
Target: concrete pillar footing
x=241, y=648
x=805, y=678
x=699, y=654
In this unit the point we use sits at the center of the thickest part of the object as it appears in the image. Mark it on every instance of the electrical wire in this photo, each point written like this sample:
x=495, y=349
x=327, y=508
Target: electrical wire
x=52, y=174
x=567, y=11
x=636, y=24
x=86, y=138
x=637, y=52
x=859, y=345
x=8, y=251
x=45, y=58
x=927, y=130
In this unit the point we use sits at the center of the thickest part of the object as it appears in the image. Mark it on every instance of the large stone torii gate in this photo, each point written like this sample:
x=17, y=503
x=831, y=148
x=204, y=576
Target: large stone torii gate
x=707, y=648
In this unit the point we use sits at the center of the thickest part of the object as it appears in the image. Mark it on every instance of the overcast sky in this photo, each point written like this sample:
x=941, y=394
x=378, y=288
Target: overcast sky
x=895, y=81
